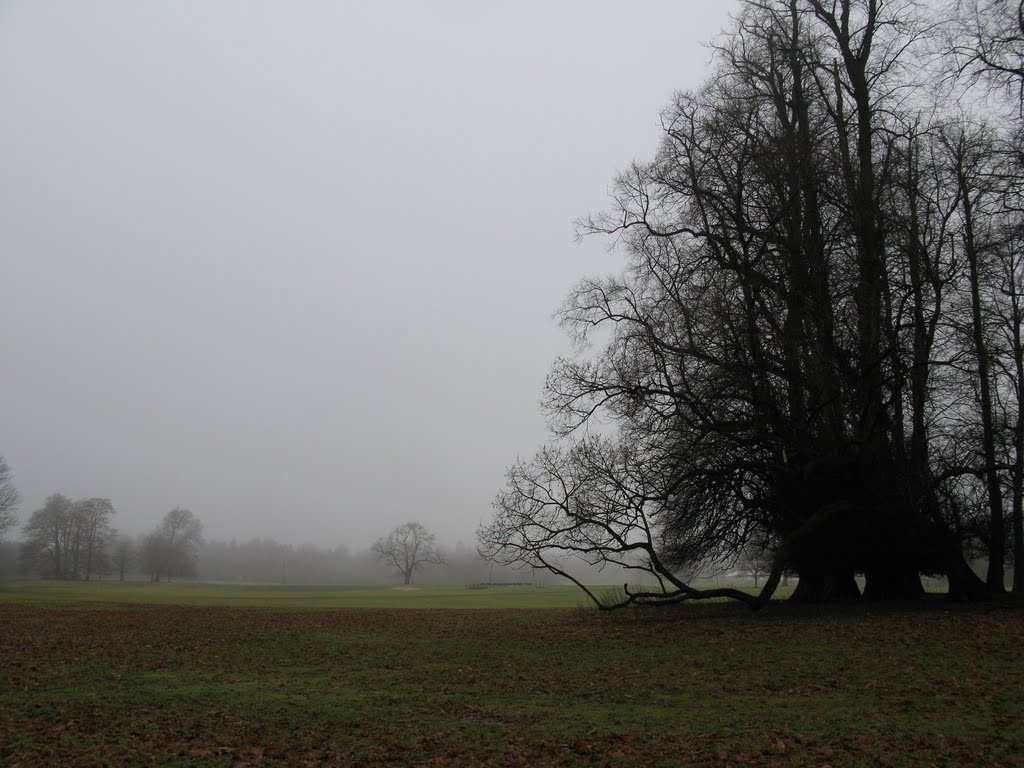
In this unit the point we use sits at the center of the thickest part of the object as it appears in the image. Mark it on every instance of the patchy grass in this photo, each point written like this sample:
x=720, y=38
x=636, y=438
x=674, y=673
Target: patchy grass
x=124, y=685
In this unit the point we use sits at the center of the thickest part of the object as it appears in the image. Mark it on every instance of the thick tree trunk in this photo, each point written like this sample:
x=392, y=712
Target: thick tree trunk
x=898, y=581
x=964, y=583
x=818, y=585
x=867, y=522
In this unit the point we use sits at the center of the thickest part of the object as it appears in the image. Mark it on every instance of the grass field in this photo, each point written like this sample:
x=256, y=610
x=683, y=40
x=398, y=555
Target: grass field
x=283, y=596
x=89, y=678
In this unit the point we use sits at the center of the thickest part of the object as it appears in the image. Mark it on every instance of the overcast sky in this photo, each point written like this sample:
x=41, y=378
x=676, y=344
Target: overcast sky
x=293, y=265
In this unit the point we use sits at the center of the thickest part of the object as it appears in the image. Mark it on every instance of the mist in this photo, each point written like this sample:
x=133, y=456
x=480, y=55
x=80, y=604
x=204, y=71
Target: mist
x=293, y=266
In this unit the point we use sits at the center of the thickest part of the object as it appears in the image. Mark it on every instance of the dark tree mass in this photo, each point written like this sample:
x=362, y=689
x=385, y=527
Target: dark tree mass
x=815, y=347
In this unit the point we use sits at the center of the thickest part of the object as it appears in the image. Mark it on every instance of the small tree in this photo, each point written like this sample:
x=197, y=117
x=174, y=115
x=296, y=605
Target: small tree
x=407, y=549
x=757, y=559
x=9, y=498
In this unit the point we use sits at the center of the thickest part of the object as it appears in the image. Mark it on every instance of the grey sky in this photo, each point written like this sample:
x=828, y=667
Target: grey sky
x=293, y=264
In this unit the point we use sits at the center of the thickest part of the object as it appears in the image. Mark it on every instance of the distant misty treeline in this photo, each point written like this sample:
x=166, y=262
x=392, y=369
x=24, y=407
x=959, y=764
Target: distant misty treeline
x=265, y=560
x=75, y=539
x=268, y=561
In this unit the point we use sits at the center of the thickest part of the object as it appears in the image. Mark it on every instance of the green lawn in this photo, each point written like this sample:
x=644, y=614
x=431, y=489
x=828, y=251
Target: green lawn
x=91, y=677
x=284, y=596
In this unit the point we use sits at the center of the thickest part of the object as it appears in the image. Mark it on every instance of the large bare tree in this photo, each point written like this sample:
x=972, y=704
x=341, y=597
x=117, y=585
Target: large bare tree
x=799, y=353
x=50, y=536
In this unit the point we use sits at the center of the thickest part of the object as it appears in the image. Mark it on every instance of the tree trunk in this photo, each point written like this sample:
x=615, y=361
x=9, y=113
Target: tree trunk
x=820, y=584
x=1018, y=507
x=997, y=528
x=1018, y=438
x=964, y=583
x=90, y=544
x=896, y=581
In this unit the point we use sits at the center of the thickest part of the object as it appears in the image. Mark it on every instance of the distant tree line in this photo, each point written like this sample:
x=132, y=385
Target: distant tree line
x=76, y=540
x=815, y=349
x=68, y=539
x=406, y=550
x=264, y=560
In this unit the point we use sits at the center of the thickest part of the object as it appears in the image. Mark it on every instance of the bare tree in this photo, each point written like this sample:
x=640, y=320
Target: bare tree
x=759, y=297
x=407, y=549
x=987, y=42
x=49, y=539
x=972, y=156
x=93, y=535
x=1010, y=310
x=172, y=549
x=602, y=502
x=9, y=498
x=800, y=349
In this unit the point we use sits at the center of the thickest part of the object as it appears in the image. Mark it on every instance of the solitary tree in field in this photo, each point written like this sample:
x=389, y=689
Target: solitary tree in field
x=407, y=549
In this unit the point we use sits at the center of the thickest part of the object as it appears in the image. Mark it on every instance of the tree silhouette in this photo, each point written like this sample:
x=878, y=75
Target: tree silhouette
x=801, y=349
x=408, y=548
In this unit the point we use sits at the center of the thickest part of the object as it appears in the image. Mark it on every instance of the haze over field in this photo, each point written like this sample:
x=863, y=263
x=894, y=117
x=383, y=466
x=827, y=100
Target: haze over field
x=293, y=265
